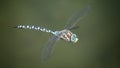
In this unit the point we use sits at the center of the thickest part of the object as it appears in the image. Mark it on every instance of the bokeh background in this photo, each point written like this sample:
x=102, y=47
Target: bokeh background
x=98, y=32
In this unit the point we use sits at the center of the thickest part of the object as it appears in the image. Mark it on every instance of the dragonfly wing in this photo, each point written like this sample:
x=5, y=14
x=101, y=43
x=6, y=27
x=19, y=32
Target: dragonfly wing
x=77, y=17
x=48, y=48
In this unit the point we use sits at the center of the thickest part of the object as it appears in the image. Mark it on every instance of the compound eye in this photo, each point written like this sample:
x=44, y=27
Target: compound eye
x=74, y=38
x=74, y=35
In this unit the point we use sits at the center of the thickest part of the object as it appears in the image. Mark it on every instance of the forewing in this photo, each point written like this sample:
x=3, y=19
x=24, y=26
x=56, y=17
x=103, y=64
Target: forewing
x=48, y=48
x=77, y=17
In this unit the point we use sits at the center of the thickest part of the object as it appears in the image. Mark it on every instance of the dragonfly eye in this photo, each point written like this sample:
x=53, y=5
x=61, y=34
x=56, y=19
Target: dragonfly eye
x=74, y=38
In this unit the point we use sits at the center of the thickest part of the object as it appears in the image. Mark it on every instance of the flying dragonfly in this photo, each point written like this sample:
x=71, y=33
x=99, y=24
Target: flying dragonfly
x=64, y=34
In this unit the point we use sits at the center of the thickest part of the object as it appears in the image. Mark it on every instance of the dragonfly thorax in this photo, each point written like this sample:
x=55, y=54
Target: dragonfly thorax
x=66, y=35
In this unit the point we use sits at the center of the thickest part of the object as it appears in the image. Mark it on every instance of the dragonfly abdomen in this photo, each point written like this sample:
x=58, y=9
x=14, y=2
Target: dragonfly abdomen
x=35, y=28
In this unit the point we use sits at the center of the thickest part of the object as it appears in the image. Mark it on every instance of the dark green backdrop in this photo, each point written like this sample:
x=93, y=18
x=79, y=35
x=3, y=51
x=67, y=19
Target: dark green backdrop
x=98, y=34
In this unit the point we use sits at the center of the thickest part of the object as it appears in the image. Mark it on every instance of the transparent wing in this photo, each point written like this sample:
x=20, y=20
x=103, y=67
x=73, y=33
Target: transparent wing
x=48, y=48
x=77, y=17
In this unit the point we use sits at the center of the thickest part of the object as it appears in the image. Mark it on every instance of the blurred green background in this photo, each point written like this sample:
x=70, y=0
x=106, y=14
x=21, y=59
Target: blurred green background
x=98, y=32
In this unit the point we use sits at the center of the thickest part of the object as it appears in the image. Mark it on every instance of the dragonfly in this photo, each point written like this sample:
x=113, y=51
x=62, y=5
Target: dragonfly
x=64, y=34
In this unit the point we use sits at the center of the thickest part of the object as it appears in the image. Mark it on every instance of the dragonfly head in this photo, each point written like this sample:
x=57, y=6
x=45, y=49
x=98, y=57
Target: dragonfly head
x=74, y=38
